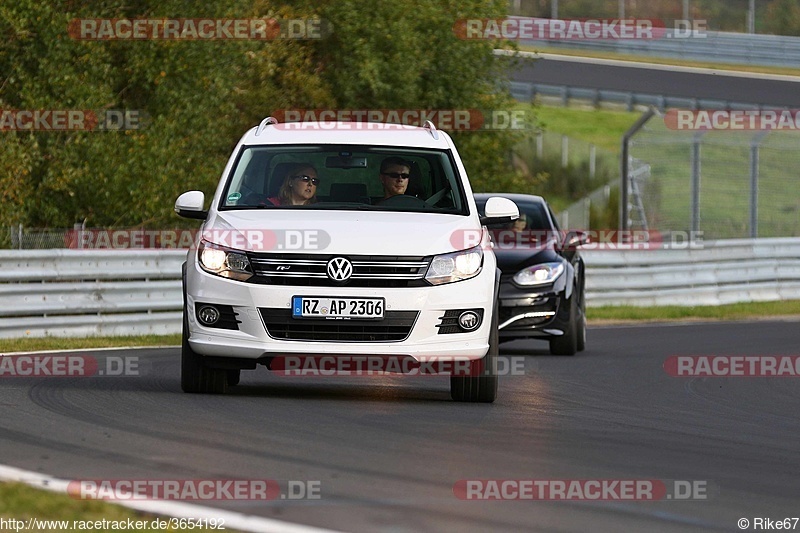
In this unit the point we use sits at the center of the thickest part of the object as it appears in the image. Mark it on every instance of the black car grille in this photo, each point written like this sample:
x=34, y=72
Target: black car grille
x=305, y=270
x=394, y=327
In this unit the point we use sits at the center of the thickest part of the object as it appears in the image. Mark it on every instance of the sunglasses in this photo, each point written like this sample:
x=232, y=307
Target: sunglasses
x=314, y=181
x=397, y=175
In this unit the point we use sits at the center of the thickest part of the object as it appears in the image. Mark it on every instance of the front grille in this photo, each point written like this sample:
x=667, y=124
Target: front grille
x=395, y=326
x=310, y=270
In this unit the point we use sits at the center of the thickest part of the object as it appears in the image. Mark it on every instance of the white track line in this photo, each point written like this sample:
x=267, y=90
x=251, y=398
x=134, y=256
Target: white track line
x=232, y=519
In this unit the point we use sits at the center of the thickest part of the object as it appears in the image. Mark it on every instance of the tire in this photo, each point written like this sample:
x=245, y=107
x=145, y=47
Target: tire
x=233, y=377
x=582, y=324
x=567, y=344
x=196, y=377
x=482, y=388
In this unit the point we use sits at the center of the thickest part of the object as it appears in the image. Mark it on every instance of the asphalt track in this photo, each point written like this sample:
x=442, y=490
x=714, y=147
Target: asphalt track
x=388, y=451
x=635, y=77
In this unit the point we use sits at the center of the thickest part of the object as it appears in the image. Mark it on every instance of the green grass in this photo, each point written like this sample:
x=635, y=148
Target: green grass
x=785, y=71
x=56, y=343
x=20, y=501
x=738, y=311
x=602, y=127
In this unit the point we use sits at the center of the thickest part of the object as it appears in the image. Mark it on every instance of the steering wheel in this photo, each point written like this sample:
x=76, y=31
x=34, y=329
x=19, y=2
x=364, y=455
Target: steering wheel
x=402, y=200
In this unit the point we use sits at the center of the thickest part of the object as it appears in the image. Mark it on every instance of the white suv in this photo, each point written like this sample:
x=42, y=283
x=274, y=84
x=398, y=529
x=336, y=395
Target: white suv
x=353, y=272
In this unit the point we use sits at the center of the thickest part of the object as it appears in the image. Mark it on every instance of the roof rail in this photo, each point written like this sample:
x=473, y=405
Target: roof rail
x=432, y=129
x=264, y=123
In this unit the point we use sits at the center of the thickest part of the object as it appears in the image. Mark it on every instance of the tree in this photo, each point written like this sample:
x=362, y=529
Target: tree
x=200, y=96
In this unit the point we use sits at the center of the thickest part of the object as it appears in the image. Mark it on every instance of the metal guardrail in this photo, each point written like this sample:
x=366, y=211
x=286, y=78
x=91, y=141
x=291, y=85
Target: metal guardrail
x=526, y=92
x=714, y=47
x=719, y=272
x=65, y=293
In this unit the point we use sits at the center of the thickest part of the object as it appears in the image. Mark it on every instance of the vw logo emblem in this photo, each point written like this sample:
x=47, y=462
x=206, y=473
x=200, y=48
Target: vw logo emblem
x=339, y=269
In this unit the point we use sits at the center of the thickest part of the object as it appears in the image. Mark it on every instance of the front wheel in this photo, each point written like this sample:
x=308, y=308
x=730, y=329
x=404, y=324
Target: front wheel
x=483, y=387
x=582, y=324
x=195, y=376
x=567, y=344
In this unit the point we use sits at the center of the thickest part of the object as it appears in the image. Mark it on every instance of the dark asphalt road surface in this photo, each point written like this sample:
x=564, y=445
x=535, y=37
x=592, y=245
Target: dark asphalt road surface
x=572, y=73
x=387, y=451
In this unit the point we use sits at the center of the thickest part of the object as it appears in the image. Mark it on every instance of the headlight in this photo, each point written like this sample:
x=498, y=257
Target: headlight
x=542, y=274
x=455, y=266
x=221, y=261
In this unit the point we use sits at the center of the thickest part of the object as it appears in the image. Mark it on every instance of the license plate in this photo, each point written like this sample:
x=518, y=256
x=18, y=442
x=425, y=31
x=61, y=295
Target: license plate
x=315, y=307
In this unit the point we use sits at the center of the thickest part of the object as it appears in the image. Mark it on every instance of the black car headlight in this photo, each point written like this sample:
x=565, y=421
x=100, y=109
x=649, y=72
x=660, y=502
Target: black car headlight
x=541, y=274
x=222, y=261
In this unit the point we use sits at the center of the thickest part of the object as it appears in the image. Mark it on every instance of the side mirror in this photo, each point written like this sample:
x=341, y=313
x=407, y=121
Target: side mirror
x=190, y=205
x=499, y=210
x=573, y=239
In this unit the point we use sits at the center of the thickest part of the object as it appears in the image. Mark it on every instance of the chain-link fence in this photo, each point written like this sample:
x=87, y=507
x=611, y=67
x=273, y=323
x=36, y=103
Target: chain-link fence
x=725, y=184
x=576, y=171
x=19, y=237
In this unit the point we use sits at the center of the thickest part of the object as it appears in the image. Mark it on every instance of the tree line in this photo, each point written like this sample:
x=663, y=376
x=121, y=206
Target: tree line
x=196, y=97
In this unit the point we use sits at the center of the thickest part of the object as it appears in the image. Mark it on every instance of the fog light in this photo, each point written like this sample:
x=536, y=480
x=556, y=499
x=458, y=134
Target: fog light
x=208, y=315
x=469, y=320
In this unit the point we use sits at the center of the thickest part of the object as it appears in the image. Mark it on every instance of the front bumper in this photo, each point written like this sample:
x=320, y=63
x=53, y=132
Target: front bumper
x=531, y=313
x=254, y=304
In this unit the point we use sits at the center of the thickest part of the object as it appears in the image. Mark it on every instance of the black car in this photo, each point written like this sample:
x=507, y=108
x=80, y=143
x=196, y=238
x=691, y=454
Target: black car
x=543, y=277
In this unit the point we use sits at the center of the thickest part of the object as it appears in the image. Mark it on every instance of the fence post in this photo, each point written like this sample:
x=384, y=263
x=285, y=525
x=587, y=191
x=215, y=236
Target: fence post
x=623, y=201
x=592, y=160
x=695, y=202
x=755, y=143
x=564, y=151
x=540, y=145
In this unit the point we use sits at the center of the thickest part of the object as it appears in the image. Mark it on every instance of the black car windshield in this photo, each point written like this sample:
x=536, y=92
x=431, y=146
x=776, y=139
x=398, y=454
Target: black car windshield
x=349, y=177
x=532, y=226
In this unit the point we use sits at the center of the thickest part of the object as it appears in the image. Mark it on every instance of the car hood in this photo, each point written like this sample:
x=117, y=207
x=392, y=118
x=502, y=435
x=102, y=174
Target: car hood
x=342, y=232
x=511, y=261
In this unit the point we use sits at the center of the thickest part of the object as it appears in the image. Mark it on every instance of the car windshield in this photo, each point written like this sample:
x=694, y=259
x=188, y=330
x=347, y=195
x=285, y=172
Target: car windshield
x=347, y=177
x=533, y=224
